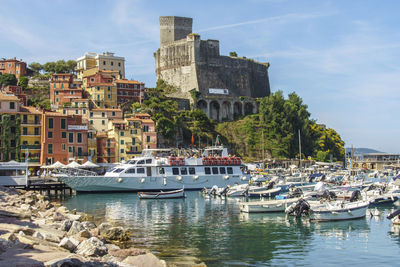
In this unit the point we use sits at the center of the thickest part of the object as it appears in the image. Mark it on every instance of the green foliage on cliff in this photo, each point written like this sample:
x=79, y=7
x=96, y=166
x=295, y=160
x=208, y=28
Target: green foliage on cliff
x=276, y=128
x=8, y=79
x=175, y=126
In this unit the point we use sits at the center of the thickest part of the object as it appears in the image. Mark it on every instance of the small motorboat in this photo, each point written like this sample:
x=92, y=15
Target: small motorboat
x=180, y=193
x=278, y=205
x=339, y=211
x=265, y=193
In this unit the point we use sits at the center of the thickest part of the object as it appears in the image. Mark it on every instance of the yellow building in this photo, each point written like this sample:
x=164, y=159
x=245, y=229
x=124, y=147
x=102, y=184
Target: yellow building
x=105, y=61
x=127, y=135
x=92, y=145
x=99, y=118
x=30, y=129
x=103, y=95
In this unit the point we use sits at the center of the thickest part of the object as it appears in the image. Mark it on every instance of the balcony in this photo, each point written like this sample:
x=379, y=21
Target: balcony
x=30, y=146
x=36, y=123
x=76, y=154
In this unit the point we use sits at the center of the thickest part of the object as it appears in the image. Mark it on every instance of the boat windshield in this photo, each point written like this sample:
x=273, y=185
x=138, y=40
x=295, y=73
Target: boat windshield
x=131, y=162
x=118, y=170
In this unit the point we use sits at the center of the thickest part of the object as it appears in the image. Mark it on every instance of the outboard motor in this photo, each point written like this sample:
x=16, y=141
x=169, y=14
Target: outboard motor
x=356, y=195
x=298, y=208
x=394, y=214
x=224, y=191
x=270, y=185
x=213, y=190
x=246, y=191
x=297, y=192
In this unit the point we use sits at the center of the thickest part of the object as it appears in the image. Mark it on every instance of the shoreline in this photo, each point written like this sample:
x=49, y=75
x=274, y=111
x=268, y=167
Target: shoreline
x=35, y=231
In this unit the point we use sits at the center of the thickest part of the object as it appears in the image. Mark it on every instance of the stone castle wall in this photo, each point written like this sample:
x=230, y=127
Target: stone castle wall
x=189, y=63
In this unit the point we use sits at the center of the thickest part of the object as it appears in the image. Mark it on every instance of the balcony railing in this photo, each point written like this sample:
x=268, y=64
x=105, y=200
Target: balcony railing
x=133, y=152
x=30, y=122
x=76, y=154
x=30, y=146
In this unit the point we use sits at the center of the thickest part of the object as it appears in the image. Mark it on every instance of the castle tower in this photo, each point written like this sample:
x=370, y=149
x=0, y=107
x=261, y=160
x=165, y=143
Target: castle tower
x=174, y=28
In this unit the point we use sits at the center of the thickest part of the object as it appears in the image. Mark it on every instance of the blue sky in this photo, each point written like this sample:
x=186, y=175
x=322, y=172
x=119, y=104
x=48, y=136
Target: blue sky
x=341, y=57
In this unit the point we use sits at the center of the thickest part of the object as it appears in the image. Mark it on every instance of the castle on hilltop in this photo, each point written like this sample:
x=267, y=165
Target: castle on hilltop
x=227, y=85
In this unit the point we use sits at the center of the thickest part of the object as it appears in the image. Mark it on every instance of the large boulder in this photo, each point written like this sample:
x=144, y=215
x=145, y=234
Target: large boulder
x=69, y=243
x=116, y=234
x=75, y=228
x=66, y=225
x=123, y=253
x=92, y=247
x=89, y=225
x=103, y=227
x=57, y=216
x=74, y=217
x=68, y=262
x=146, y=260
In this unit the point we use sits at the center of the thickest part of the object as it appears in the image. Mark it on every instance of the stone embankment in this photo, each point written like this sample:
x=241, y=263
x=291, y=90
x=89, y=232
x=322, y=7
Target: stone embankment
x=37, y=232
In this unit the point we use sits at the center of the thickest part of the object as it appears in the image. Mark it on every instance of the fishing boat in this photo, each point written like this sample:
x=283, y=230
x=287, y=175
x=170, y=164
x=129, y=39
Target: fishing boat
x=334, y=211
x=160, y=169
x=162, y=195
x=277, y=205
x=272, y=192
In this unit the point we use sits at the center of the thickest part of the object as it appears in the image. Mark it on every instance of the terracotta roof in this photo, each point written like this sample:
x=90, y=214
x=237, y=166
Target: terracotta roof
x=29, y=109
x=80, y=99
x=128, y=81
x=147, y=121
x=141, y=114
x=100, y=84
x=133, y=119
x=118, y=121
x=101, y=134
x=107, y=109
x=49, y=113
x=8, y=97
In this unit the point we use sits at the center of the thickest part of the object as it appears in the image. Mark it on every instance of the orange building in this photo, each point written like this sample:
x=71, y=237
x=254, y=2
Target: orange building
x=105, y=148
x=129, y=91
x=54, y=138
x=77, y=139
x=149, y=134
x=63, y=89
x=13, y=66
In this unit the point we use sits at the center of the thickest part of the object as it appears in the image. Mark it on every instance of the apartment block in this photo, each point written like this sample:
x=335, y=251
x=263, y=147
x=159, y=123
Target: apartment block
x=13, y=66
x=64, y=89
x=99, y=118
x=129, y=91
x=104, y=61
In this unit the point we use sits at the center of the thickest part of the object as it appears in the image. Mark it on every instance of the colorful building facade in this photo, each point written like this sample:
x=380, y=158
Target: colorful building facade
x=129, y=91
x=105, y=61
x=63, y=89
x=13, y=66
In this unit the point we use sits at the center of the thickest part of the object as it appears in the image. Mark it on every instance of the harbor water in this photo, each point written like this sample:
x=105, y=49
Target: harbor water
x=215, y=232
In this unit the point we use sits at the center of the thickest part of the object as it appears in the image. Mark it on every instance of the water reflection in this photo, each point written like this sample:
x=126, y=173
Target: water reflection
x=216, y=232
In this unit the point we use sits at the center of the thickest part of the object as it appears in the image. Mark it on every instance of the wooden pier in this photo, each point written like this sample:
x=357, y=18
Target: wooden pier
x=49, y=188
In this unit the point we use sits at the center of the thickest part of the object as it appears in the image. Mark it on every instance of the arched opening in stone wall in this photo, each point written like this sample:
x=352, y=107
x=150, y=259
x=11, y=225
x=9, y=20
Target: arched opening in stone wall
x=248, y=108
x=237, y=110
x=226, y=110
x=202, y=104
x=214, y=110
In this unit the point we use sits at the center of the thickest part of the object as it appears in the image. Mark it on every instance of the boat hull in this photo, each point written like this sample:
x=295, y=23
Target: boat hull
x=162, y=195
x=336, y=214
x=267, y=206
x=135, y=184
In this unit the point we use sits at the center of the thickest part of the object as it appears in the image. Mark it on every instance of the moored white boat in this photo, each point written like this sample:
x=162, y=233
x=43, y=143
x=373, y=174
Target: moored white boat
x=162, y=194
x=154, y=171
x=277, y=205
x=334, y=211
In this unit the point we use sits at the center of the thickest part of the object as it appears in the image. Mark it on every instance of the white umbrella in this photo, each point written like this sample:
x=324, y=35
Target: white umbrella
x=73, y=164
x=56, y=165
x=89, y=164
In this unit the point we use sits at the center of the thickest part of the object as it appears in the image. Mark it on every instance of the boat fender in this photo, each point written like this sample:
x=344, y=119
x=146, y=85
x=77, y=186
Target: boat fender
x=195, y=177
x=165, y=181
x=179, y=178
x=142, y=180
x=244, y=178
x=226, y=177
x=119, y=180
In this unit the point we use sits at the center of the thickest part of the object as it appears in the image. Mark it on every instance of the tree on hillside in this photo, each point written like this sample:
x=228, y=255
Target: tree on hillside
x=36, y=67
x=23, y=82
x=8, y=79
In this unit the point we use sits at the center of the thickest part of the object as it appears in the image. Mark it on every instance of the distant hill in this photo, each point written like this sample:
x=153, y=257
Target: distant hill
x=362, y=150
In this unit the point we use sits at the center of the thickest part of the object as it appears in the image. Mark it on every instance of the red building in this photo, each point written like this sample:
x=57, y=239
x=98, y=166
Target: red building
x=105, y=148
x=54, y=142
x=129, y=91
x=63, y=89
x=17, y=91
x=102, y=76
x=13, y=66
x=77, y=139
